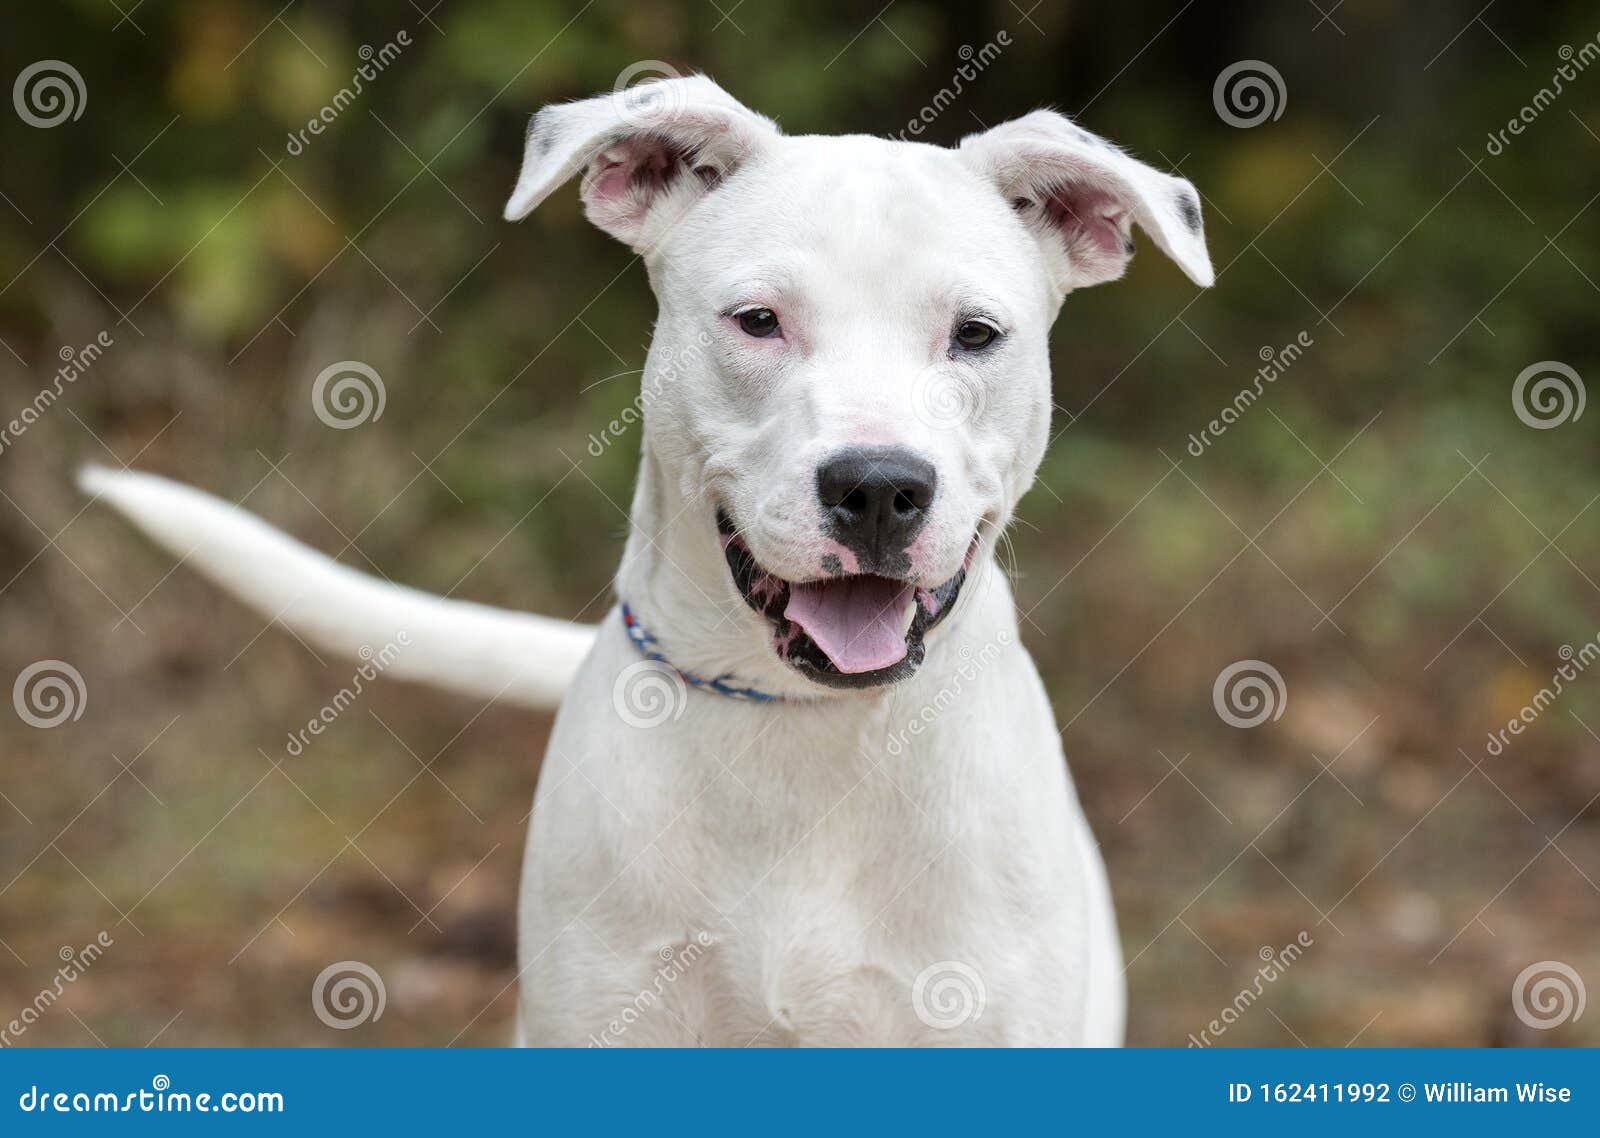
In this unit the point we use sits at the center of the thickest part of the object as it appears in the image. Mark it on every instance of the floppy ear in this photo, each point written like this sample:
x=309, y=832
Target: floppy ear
x=647, y=152
x=1081, y=195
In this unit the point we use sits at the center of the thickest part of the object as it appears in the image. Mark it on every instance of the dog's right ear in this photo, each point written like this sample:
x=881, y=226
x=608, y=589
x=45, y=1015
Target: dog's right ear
x=647, y=152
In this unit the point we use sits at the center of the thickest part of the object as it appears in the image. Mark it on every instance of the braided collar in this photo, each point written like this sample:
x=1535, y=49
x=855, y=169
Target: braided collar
x=647, y=644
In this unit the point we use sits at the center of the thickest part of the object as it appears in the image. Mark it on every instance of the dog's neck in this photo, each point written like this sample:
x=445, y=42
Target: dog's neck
x=674, y=577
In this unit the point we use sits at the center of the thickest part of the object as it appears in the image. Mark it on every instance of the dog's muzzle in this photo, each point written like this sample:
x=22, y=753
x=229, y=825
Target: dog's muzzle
x=849, y=631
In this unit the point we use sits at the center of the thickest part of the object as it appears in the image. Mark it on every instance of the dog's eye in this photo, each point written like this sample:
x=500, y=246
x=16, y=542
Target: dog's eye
x=758, y=322
x=970, y=335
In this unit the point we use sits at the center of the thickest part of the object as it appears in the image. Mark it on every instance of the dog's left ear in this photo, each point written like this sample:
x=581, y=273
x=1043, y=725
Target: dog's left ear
x=648, y=152
x=1081, y=195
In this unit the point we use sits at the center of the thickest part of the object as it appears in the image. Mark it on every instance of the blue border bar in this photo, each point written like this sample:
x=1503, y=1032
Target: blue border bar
x=645, y=1093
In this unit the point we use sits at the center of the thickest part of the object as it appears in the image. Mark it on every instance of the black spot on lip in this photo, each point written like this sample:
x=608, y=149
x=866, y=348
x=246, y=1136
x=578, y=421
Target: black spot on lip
x=1189, y=210
x=831, y=565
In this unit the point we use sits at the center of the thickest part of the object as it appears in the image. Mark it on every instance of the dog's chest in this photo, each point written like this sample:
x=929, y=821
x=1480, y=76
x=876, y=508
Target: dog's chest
x=870, y=920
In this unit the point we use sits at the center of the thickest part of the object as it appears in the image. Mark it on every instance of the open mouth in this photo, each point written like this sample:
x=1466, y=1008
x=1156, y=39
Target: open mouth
x=847, y=631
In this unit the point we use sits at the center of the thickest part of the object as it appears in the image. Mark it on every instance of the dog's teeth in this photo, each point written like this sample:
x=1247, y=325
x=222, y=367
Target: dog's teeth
x=911, y=615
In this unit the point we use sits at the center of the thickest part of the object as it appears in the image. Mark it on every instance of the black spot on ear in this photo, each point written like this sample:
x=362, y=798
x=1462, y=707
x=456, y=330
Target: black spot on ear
x=1127, y=246
x=1189, y=210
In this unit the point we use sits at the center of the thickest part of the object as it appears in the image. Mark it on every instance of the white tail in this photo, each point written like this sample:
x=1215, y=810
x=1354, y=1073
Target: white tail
x=457, y=645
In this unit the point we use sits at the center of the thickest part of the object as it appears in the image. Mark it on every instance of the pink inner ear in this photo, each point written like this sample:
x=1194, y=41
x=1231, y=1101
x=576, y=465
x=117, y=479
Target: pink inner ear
x=644, y=162
x=1090, y=215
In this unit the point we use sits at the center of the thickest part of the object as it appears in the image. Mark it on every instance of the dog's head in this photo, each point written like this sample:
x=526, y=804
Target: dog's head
x=850, y=376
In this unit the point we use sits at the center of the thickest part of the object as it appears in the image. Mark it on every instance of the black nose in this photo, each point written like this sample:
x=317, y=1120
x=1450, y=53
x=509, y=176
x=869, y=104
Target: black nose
x=876, y=498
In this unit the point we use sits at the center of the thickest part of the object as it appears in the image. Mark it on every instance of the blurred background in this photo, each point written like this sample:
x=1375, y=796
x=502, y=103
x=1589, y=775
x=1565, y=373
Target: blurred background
x=1395, y=528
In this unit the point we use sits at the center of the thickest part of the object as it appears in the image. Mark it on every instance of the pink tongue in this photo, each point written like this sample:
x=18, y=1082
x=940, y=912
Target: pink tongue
x=858, y=621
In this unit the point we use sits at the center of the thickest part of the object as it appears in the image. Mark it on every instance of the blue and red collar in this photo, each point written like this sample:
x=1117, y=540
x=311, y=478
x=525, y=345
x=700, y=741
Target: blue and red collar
x=647, y=644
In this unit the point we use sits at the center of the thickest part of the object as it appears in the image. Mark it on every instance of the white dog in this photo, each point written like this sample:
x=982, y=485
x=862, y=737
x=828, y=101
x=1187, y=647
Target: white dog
x=846, y=819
